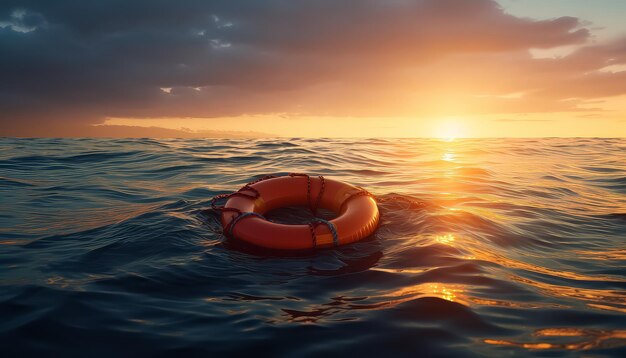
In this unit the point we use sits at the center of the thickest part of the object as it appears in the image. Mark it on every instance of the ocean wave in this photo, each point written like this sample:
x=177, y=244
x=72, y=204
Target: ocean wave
x=485, y=247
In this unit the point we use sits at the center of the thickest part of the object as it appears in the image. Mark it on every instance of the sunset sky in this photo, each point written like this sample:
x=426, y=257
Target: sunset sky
x=364, y=68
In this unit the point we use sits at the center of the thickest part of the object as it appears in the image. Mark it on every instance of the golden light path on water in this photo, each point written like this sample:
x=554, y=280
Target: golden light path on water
x=602, y=299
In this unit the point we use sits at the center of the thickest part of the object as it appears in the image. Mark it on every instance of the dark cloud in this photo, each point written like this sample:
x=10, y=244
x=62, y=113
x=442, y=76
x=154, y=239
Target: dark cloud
x=70, y=63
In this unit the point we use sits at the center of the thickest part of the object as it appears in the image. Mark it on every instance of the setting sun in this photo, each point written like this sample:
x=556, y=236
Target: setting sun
x=450, y=128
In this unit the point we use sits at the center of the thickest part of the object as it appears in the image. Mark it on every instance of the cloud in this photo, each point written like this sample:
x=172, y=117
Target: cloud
x=68, y=64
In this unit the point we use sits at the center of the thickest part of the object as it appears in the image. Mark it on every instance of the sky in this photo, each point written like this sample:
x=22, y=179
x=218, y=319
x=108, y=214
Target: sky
x=313, y=68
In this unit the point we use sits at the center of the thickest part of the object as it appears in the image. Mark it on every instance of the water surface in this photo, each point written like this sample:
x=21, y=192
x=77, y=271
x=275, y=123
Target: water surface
x=486, y=247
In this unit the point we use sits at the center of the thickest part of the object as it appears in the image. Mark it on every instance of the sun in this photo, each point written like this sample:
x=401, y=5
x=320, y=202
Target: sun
x=450, y=129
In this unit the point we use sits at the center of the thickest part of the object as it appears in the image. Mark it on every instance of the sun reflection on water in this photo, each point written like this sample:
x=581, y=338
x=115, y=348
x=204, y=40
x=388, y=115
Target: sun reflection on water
x=448, y=157
x=441, y=291
x=447, y=239
x=448, y=292
x=587, y=339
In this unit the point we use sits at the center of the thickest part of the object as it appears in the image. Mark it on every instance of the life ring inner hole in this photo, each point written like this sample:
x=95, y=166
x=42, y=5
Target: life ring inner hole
x=298, y=215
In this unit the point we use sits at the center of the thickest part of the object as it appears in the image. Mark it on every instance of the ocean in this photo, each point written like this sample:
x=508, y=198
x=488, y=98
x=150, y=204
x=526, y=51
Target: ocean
x=486, y=247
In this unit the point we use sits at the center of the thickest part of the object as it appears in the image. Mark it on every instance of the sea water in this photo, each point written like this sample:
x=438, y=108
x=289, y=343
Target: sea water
x=485, y=247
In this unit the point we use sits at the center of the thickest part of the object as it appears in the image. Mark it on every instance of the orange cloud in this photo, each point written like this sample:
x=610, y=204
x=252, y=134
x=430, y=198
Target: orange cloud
x=65, y=71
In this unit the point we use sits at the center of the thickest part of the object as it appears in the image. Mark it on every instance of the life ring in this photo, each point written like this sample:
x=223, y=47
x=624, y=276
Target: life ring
x=242, y=215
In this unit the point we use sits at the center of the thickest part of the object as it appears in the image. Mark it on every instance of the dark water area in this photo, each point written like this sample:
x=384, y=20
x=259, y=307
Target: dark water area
x=487, y=247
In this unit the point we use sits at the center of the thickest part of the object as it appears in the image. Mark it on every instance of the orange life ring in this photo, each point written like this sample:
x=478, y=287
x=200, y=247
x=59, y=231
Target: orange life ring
x=357, y=213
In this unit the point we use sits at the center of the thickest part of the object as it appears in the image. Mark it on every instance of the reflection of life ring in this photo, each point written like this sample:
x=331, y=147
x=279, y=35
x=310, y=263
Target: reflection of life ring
x=242, y=215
